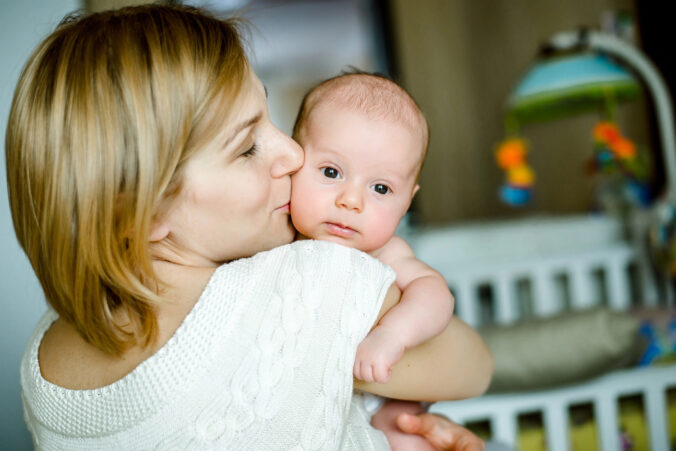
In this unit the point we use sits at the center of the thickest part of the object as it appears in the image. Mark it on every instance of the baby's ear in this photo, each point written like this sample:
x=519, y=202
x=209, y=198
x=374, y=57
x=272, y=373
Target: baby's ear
x=413, y=191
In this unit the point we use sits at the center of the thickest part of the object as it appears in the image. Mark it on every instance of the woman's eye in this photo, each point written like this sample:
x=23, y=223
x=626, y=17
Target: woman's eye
x=381, y=189
x=250, y=152
x=330, y=172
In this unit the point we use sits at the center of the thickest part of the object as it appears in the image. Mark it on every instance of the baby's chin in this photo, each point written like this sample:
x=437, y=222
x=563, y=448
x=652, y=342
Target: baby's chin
x=356, y=241
x=351, y=242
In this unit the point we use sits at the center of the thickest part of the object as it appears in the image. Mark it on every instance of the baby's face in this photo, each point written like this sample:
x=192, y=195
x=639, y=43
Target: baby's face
x=358, y=179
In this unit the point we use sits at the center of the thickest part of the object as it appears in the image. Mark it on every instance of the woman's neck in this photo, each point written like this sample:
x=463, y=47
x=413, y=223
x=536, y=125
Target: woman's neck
x=181, y=283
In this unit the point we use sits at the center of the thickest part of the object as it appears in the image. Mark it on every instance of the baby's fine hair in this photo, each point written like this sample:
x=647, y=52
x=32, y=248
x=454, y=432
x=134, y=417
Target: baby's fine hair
x=108, y=109
x=376, y=96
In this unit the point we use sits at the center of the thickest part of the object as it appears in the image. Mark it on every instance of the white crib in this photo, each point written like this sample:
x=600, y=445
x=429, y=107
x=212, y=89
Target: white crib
x=538, y=267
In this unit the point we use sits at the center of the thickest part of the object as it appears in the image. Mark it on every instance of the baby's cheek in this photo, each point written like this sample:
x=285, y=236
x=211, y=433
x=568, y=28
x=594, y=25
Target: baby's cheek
x=301, y=210
x=382, y=228
x=301, y=184
x=299, y=196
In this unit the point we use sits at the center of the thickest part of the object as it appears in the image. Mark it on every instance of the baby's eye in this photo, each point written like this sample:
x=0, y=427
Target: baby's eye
x=330, y=172
x=381, y=189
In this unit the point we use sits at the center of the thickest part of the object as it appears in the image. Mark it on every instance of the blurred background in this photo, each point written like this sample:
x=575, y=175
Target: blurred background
x=460, y=59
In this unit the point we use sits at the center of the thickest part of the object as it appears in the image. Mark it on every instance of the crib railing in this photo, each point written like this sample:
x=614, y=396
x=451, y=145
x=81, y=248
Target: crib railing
x=604, y=393
x=500, y=274
x=556, y=284
x=535, y=270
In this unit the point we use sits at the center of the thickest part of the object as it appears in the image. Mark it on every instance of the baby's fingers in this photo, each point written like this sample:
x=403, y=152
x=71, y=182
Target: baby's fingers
x=382, y=373
x=357, y=371
x=363, y=371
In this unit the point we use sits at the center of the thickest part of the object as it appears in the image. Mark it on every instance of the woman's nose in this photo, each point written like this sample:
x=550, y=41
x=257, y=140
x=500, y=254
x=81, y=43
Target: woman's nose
x=289, y=156
x=350, y=198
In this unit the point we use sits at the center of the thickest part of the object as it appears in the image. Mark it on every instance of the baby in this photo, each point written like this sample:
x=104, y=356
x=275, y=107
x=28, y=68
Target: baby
x=365, y=140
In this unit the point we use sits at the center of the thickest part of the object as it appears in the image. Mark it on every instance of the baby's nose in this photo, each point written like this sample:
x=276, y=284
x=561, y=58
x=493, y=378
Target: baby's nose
x=350, y=198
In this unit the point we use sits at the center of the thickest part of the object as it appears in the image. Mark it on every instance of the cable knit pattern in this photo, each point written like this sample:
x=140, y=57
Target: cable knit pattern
x=263, y=361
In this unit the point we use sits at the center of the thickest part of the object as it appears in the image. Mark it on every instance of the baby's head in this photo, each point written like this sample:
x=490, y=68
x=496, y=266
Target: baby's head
x=365, y=140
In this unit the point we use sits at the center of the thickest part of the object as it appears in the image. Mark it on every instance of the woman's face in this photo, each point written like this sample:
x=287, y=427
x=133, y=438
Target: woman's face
x=234, y=200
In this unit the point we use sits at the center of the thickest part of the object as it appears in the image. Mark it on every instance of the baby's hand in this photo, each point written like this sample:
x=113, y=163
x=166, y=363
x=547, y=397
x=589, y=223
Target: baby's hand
x=376, y=354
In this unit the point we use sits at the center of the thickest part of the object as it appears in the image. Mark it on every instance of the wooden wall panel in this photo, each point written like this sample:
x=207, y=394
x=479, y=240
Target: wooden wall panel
x=460, y=59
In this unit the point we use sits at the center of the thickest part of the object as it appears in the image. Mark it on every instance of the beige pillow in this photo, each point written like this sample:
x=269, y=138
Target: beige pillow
x=563, y=349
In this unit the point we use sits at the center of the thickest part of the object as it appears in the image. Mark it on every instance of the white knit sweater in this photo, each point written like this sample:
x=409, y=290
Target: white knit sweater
x=263, y=361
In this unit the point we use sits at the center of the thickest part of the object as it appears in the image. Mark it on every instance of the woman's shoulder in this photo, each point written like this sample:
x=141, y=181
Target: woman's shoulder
x=317, y=255
x=68, y=361
x=65, y=380
x=252, y=299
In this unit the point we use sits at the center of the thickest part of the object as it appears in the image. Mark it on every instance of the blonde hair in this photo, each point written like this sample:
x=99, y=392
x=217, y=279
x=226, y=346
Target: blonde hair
x=374, y=95
x=106, y=112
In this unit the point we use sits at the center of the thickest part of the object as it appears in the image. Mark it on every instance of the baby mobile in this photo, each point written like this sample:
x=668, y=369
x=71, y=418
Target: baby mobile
x=562, y=86
x=617, y=158
x=614, y=156
x=568, y=84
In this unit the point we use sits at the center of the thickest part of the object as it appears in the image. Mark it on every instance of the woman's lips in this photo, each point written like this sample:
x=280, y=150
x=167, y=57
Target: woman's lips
x=283, y=209
x=339, y=230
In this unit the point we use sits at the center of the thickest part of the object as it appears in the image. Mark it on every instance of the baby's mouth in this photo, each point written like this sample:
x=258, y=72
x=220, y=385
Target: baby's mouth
x=340, y=230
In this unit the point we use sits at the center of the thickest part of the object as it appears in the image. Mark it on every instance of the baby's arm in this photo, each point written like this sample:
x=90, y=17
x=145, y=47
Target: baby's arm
x=424, y=310
x=456, y=364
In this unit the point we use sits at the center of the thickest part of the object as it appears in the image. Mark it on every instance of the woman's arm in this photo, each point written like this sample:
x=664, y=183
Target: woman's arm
x=455, y=364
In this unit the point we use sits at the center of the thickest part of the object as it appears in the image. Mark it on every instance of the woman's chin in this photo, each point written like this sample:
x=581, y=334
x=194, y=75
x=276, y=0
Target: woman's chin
x=286, y=236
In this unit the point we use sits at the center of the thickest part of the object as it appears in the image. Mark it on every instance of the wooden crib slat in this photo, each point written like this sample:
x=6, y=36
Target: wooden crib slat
x=650, y=294
x=468, y=303
x=545, y=300
x=582, y=288
x=656, y=415
x=556, y=427
x=605, y=409
x=505, y=302
x=618, y=286
x=504, y=426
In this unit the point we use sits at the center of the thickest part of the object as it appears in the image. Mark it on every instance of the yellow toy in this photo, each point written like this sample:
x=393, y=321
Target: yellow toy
x=511, y=157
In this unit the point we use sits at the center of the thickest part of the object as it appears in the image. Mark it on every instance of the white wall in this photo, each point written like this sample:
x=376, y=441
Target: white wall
x=297, y=43
x=23, y=23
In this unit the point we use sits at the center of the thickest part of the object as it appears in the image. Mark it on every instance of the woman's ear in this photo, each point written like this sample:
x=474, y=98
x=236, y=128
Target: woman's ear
x=159, y=232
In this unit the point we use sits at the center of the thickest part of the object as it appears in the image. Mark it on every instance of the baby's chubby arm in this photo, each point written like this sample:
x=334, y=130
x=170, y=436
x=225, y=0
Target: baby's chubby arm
x=425, y=308
x=456, y=364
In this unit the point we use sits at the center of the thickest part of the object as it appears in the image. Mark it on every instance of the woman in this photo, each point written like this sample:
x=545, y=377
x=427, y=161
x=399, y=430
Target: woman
x=140, y=161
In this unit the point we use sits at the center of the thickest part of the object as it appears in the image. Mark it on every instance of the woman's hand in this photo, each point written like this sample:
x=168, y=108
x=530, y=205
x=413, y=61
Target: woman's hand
x=441, y=432
x=407, y=426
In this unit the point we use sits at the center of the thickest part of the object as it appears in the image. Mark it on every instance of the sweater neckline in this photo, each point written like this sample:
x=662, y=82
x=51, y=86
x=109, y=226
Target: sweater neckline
x=142, y=391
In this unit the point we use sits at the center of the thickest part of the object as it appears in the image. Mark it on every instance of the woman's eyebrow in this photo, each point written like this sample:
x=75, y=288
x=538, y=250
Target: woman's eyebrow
x=240, y=127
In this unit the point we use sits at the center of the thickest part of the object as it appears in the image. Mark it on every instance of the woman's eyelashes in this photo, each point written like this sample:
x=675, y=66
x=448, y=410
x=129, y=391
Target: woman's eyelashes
x=250, y=152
